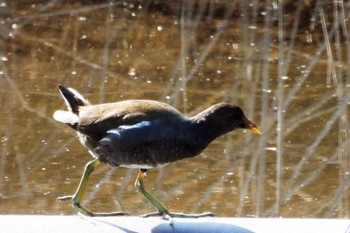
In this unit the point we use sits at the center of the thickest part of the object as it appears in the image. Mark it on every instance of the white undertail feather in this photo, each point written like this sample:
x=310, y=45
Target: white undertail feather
x=77, y=95
x=66, y=117
x=73, y=100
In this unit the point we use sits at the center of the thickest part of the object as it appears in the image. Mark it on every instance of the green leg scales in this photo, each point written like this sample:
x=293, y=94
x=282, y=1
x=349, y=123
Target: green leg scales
x=162, y=210
x=78, y=196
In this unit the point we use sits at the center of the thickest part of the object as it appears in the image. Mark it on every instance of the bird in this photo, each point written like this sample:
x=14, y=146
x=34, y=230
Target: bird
x=143, y=134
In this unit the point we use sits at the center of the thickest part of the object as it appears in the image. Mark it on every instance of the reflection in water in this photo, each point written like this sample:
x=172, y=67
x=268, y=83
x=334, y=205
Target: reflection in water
x=191, y=56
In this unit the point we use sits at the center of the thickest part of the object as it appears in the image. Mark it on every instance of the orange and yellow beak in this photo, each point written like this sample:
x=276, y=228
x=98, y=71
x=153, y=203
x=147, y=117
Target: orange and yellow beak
x=251, y=126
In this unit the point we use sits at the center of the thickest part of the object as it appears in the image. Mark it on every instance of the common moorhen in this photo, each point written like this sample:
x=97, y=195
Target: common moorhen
x=143, y=134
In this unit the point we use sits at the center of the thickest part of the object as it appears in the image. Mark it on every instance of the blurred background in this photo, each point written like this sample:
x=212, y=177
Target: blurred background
x=286, y=63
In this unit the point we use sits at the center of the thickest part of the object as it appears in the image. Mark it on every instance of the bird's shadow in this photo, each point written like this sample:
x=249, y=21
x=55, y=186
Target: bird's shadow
x=184, y=227
x=124, y=229
x=199, y=227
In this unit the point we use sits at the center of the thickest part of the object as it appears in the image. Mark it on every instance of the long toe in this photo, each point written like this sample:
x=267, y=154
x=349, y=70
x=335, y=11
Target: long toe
x=179, y=215
x=182, y=215
x=109, y=214
x=152, y=214
x=65, y=198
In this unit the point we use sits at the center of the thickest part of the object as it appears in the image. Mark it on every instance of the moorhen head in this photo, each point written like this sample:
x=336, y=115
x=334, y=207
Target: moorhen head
x=143, y=134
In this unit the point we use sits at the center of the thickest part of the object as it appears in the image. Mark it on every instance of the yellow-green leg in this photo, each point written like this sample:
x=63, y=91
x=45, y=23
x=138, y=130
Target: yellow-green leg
x=78, y=196
x=162, y=210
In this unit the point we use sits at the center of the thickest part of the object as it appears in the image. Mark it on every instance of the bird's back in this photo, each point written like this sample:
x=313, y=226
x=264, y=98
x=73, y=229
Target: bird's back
x=96, y=120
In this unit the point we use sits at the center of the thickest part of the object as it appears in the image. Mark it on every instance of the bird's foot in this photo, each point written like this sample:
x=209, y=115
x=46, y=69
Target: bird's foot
x=85, y=212
x=65, y=198
x=169, y=215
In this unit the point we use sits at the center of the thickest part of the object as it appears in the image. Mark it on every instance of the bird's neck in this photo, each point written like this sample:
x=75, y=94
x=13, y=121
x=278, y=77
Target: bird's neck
x=206, y=127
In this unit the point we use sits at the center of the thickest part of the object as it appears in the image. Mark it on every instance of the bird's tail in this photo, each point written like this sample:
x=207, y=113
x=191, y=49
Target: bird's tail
x=74, y=100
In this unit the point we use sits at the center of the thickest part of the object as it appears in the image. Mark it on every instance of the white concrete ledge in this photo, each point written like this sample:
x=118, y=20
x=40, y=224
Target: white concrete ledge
x=77, y=224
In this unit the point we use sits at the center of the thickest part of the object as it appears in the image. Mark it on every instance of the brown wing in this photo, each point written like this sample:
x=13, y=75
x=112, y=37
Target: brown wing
x=96, y=120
